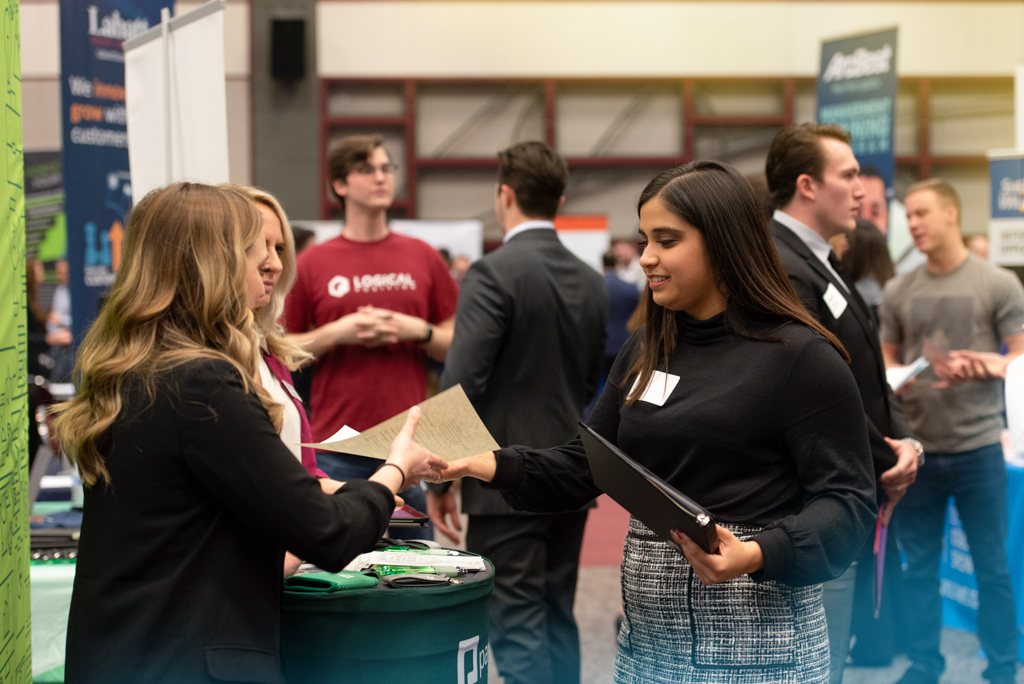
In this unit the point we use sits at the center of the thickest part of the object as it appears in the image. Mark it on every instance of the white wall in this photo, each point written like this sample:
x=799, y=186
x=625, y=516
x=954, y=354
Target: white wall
x=40, y=68
x=654, y=38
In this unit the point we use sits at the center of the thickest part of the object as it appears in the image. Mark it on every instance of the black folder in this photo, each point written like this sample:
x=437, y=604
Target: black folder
x=651, y=500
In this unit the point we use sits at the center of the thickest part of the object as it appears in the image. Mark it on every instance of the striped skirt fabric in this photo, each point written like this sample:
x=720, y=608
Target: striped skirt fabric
x=677, y=630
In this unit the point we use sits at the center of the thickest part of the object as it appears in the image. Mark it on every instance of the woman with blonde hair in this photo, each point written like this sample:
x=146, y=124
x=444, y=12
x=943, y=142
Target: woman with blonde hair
x=191, y=497
x=278, y=355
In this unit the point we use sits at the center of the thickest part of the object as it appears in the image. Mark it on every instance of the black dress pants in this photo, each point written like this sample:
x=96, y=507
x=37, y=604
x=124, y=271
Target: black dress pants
x=536, y=560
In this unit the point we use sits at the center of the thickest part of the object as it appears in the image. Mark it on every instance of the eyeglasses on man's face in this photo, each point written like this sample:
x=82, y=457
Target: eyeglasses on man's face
x=370, y=170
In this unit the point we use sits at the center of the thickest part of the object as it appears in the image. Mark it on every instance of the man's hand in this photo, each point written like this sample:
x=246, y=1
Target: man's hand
x=405, y=327
x=734, y=557
x=441, y=507
x=61, y=337
x=361, y=327
x=981, y=366
x=897, y=479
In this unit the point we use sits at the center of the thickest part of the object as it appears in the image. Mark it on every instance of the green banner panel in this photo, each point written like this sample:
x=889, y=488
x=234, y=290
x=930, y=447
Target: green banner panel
x=15, y=627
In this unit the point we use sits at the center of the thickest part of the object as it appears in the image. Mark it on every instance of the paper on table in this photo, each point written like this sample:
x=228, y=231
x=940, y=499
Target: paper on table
x=449, y=427
x=415, y=560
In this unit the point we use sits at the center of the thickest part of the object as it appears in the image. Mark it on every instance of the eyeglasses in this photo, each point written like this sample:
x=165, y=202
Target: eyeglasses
x=367, y=170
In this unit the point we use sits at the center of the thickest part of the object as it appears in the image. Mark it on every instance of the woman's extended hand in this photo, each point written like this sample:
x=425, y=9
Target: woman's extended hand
x=413, y=461
x=734, y=557
x=480, y=466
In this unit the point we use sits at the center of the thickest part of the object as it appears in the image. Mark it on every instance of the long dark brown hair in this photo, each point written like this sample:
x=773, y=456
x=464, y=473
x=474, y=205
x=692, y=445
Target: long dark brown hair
x=868, y=255
x=718, y=201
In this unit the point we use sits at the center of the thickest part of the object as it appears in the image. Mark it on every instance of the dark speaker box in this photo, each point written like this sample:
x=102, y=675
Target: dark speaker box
x=288, y=48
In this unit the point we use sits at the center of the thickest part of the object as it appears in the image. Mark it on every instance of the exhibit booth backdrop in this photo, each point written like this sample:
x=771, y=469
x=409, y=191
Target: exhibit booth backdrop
x=16, y=627
x=97, y=187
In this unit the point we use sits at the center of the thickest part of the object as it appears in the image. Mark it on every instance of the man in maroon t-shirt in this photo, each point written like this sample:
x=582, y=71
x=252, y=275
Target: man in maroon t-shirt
x=371, y=306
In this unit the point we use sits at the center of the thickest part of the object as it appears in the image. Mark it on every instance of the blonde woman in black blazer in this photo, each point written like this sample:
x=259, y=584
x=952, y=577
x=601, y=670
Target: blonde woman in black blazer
x=191, y=496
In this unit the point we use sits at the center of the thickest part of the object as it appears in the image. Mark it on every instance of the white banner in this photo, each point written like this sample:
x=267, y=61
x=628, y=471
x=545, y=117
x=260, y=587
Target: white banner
x=194, y=59
x=460, y=238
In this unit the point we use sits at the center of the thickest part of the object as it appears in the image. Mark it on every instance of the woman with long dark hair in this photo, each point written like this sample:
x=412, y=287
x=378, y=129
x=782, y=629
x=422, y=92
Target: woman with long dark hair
x=868, y=263
x=735, y=396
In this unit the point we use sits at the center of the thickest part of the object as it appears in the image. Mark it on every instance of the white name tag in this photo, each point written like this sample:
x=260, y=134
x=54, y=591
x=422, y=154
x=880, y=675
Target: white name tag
x=291, y=390
x=662, y=385
x=835, y=301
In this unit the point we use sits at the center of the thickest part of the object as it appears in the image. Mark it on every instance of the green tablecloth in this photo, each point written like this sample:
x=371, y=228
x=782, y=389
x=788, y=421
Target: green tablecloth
x=381, y=635
x=368, y=635
x=51, y=601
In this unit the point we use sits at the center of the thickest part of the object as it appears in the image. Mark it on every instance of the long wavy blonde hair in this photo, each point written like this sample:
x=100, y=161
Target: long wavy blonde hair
x=268, y=317
x=179, y=295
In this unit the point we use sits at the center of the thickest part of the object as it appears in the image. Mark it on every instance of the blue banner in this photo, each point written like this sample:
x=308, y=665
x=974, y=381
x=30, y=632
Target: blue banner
x=857, y=90
x=1006, y=222
x=97, y=191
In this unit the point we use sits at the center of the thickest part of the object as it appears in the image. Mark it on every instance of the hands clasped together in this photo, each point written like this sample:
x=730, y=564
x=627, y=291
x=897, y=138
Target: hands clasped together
x=373, y=327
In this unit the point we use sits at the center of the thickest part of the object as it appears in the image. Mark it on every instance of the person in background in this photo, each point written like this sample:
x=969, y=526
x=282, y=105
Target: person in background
x=370, y=305
x=38, y=358
x=446, y=257
x=867, y=262
x=874, y=206
x=191, y=498
x=304, y=239
x=762, y=425
x=978, y=245
x=528, y=351
x=58, y=326
x=627, y=263
x=955, y=301
x=622, y=302
x=460, y=265
x=813, y=176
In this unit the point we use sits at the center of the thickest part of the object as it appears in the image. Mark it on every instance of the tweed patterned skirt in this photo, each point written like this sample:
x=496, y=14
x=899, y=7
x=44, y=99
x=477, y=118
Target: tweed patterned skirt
x=738, y=632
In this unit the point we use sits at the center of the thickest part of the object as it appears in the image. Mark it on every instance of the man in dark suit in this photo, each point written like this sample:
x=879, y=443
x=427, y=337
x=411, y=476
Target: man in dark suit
x=813, y=178
x=528, y=351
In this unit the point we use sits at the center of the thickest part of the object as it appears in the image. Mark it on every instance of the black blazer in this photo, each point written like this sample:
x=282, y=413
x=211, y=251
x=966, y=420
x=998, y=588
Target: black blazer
x=528, y=347
x=180, y=557
x=856, y=329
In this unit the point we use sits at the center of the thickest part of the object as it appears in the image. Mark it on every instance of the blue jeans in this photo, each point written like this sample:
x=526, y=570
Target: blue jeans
x=344, y=467
x=977, y=481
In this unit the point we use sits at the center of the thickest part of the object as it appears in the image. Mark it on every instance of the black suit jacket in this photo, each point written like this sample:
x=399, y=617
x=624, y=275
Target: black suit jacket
x=528, y=347
x=856, y=329
x=180, y=557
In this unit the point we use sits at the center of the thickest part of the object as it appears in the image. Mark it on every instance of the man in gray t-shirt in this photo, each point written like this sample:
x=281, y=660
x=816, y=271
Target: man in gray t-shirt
x=955, y=301
x=974, y=306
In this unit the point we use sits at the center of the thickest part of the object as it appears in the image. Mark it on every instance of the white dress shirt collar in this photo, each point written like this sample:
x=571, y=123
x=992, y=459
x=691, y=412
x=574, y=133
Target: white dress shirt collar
x=525, y=226
x=818, y=245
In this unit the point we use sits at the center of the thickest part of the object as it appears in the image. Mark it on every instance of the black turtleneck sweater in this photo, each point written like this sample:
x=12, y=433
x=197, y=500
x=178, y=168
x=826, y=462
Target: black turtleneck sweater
x=762, y=433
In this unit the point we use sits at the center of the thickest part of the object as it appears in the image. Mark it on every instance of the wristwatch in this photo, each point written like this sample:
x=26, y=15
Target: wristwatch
x=428, y=336
x=918, y=446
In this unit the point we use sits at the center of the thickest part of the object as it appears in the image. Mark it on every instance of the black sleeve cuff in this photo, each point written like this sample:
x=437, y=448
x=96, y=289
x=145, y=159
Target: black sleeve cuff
x=438, y=488
x=777, y=551
x=510, y=468
x=372, y=489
